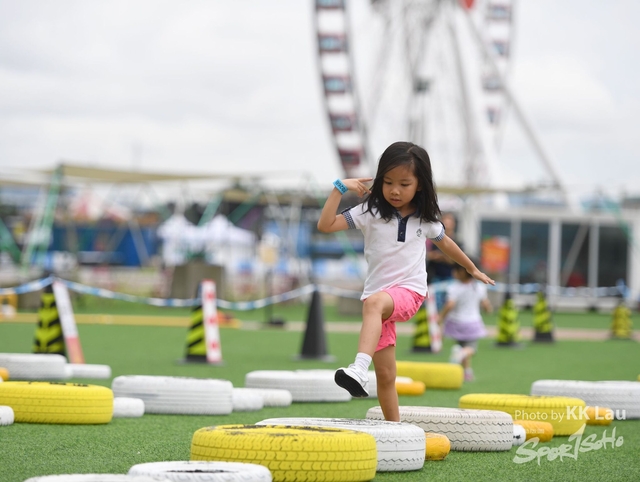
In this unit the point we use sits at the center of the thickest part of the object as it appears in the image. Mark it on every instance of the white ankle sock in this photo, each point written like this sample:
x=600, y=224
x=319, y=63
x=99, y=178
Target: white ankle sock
x=362, y=363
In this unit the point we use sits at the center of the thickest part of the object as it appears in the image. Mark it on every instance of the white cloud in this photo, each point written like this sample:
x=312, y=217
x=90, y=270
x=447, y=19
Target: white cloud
x=234, y=85
x=562, y=94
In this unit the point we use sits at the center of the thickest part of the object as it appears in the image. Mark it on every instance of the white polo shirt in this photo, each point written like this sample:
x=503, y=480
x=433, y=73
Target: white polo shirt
x=395, y=250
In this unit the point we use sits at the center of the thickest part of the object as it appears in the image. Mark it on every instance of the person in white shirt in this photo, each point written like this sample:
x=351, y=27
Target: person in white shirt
x=462, y=319
x=398, y=215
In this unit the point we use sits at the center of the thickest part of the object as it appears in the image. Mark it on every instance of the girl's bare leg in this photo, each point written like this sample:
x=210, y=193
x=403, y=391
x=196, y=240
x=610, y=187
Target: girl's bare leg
x=468, y=353
x=385, y=365
x=354, y=378
x=376, y=308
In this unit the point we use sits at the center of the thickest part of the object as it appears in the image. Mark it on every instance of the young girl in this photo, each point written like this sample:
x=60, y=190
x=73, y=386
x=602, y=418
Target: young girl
x=462, y=319
x=400, y=212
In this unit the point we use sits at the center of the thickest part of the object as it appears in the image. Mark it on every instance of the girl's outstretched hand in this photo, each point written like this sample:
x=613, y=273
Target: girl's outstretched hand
x=357, y=186
x=480, y=276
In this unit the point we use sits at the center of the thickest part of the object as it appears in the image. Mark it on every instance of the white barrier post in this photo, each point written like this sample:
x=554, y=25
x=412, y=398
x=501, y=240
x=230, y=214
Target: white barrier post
x=68, y=322
x=210, y=320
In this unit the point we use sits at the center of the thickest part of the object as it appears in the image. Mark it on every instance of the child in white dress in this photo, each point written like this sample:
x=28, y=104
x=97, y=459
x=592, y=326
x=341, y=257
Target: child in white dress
x=462, y=319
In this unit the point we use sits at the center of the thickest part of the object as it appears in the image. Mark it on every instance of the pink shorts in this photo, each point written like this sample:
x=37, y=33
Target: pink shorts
x=406, y=303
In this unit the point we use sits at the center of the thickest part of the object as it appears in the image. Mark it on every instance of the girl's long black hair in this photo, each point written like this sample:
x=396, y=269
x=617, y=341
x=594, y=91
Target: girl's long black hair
x=425, y=200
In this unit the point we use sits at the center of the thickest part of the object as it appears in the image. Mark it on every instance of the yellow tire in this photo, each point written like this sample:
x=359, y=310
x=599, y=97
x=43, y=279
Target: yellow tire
x=599, y=416
x=410, y=388
x=291, y=453
x=58, y=402
x=542, y=430
x=4, y=374
x=438, y=446
x=433, y=375
x=566, y=414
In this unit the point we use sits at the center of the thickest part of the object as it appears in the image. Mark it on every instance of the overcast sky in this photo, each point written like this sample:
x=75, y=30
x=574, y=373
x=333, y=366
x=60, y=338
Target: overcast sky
x=227, y=86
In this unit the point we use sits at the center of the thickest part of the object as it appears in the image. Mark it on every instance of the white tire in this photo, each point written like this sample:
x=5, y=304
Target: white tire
x=34, y=366
x=124, y=407
x=197, y=471
x=304, y=385
x=177, y=395
x=246, y=400
x=97, y=478
x=6, y=415
x=621, y=396
x=467, y=430
x=274, y=397
x=400, y=446
x=81, y=370
x=271, y=397
x=519, y=435
x=404, y=379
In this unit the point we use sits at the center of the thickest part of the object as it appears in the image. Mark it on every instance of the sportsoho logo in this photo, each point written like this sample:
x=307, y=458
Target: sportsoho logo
x=577, y=445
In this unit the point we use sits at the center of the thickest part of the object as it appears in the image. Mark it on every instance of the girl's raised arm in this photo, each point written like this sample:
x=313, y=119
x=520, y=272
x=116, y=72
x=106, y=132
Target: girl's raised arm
x=451, y=249
x=329, y=221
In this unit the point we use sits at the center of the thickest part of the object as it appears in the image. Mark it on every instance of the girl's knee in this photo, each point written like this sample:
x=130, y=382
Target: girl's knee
x=386, y=375
x=377, y=303
x=372, y=303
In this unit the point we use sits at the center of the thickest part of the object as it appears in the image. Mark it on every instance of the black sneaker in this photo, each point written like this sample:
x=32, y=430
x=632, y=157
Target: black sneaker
x=349, y=379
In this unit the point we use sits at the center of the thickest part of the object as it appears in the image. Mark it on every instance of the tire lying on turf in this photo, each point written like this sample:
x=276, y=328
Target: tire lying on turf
x=438, y=446
x=519, y=435
x=304, y=385
x=6, y=415
x=259, y=398
x=564, y=413
x=400, y=446
x=291, y=453
x=81, y=370
x=97, y=478
x=411, y=388
x=246, y=400
x=467, y=430
x=177, y=395
x=191, y=471
x=433, y=375
x=125, y=407
x=35, y=366
x=621, y=396
x=542, y=430
x=274, y=397
x=599, y=416
x=58, y=402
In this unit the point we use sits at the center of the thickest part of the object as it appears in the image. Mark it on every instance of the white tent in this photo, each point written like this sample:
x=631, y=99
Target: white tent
x=220, y=231
x=219, y=240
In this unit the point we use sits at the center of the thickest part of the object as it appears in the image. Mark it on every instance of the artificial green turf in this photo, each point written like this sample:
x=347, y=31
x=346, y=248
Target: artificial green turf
x=27, y=450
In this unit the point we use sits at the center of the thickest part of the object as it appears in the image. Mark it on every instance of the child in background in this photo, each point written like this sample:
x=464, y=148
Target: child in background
x=462, y=319
x=400, y=212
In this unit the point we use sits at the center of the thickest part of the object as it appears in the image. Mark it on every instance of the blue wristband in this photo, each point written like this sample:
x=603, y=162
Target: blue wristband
x=340, y=186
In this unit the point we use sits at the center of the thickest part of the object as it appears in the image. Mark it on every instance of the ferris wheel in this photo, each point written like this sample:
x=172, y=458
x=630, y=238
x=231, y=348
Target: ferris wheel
x=434, y=72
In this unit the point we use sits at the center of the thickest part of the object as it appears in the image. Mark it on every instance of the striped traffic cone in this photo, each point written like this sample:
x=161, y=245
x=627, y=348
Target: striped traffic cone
x=49, y=337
